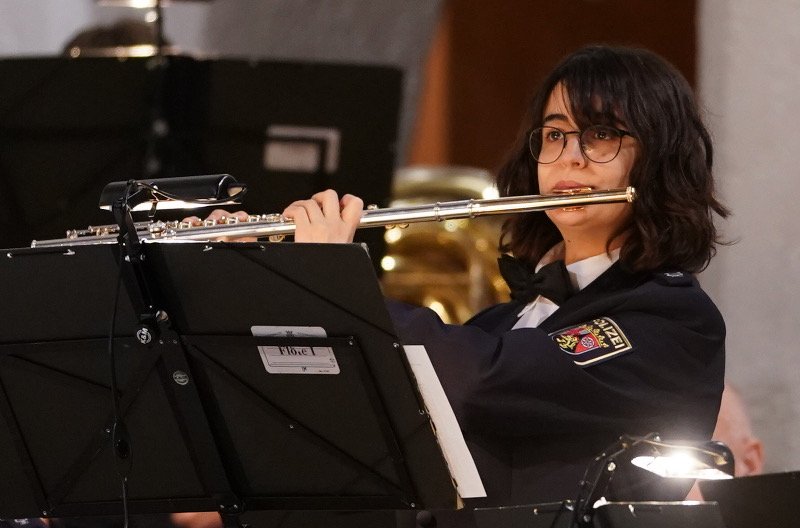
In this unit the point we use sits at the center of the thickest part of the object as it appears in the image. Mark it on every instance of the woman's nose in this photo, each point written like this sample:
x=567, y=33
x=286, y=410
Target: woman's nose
x=573, y=154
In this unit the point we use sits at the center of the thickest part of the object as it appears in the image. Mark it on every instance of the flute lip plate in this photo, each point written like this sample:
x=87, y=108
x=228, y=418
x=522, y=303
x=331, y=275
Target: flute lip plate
x=573, y=190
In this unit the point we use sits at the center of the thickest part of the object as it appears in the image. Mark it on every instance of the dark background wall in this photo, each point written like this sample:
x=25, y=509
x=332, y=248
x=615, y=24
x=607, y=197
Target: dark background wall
x=488, y=57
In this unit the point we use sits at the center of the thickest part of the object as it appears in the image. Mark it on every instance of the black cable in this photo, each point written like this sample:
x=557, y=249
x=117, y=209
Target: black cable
x=587, y=486
x=119, y=436
x=599, y=473
x=592, y=477
x=563, y=508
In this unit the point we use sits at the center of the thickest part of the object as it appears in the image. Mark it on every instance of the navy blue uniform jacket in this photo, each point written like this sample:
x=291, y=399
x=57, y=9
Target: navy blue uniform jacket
x=628, y=354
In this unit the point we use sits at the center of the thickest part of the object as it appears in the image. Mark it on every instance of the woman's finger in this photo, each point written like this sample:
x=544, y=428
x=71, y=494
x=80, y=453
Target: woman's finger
x=192, y=221
x=352, y=209
x=219, y=216
x=328, y=201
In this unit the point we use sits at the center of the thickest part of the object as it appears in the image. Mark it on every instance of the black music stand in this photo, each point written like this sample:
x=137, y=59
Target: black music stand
x=609, y=515
x=211, y=428
x=769, y=499
x=289, y=129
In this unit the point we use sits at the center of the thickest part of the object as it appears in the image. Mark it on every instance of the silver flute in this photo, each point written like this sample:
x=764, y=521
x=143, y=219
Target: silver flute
x=275, y=226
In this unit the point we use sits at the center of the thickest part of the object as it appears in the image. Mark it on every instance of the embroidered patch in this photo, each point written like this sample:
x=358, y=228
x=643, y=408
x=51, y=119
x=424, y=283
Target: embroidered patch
x=591, y=342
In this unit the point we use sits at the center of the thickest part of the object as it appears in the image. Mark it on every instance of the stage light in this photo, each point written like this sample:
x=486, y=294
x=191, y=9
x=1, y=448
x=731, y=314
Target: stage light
x=174, y=193
x=708, y=461
x=674, y=459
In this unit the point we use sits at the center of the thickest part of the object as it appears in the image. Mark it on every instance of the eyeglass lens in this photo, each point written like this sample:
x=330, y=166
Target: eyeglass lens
x=599, y=143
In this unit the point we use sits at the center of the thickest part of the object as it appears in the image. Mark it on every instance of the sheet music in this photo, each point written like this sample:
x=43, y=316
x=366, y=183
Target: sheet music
x=459, y=459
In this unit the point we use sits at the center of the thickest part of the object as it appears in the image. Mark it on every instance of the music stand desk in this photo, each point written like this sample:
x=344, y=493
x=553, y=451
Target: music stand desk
x=609, y=515
x=211, y=427
x=758, y=500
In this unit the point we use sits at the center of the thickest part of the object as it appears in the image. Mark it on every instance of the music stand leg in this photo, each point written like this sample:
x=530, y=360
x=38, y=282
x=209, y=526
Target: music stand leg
x=231, y=520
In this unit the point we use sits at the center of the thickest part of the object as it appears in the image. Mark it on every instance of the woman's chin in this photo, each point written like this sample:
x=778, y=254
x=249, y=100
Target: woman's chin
x=598, y=218
x=568, y=216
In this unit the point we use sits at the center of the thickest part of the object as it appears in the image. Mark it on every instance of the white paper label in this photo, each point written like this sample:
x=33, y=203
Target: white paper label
x=294, y=359
x=289, y=331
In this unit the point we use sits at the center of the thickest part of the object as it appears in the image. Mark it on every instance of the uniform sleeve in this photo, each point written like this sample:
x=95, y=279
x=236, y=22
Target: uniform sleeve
x=524, y=383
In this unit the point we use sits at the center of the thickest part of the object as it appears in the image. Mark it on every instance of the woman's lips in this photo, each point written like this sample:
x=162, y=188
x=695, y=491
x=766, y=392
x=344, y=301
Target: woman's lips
x=568, y=184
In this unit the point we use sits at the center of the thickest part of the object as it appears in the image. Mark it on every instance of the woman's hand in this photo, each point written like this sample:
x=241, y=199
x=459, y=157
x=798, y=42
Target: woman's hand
x=325, y=218
x=219, y=216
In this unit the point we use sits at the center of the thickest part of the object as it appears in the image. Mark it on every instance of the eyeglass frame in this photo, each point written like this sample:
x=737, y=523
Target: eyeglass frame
x=621, y=134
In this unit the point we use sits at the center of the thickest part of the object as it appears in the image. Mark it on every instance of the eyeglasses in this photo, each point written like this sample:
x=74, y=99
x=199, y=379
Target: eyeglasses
x=599, y=143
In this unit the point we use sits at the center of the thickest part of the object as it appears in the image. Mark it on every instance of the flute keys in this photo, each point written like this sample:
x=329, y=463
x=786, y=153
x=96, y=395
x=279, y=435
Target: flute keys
x=156, y=228
x=273, y=218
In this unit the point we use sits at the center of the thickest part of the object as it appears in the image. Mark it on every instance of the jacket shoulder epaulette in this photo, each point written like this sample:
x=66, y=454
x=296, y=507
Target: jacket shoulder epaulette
x=673, y=278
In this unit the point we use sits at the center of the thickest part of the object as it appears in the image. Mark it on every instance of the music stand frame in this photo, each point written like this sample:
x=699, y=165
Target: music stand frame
x=184, y=372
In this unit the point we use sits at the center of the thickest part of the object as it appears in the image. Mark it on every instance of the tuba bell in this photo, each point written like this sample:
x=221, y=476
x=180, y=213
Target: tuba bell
x=449, y=266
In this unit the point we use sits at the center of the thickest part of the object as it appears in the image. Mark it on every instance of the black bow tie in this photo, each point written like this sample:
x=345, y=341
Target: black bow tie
x=551, y=281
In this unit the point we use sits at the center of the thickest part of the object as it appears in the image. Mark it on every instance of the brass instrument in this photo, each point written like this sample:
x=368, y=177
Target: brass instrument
x=451, y=266
x=276, y=227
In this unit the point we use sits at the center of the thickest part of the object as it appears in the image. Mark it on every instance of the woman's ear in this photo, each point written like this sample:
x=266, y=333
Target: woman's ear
x=752, y=458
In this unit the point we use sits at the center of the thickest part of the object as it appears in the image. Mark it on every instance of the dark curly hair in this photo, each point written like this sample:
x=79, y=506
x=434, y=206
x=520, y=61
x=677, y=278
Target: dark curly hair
x=672, y=222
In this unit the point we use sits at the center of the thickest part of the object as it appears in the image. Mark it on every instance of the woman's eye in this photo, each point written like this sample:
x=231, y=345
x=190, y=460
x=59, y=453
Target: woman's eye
x=554, y=135
x=601, y=134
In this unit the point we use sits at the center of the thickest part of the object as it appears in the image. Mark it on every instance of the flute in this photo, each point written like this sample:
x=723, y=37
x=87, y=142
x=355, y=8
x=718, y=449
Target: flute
x=275, y=226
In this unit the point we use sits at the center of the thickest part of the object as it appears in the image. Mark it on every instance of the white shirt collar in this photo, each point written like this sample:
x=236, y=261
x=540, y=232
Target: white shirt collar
x=581, y=274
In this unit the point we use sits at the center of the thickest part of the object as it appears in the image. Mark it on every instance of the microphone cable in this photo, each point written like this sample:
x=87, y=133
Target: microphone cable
x=120, y=440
